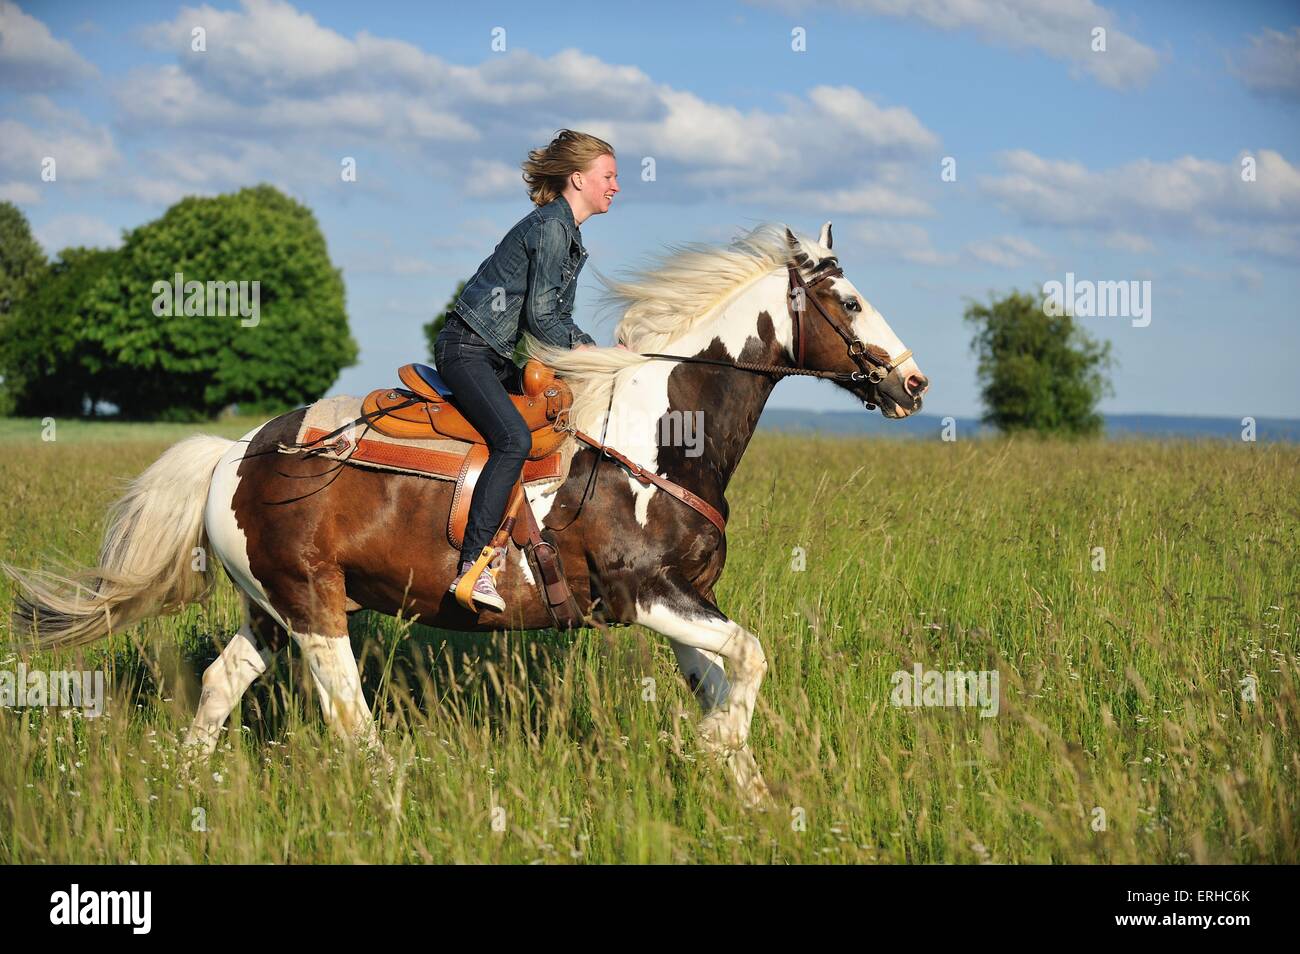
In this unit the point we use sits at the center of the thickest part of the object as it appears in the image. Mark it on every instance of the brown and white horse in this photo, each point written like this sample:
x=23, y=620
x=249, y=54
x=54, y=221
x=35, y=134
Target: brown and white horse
x=304, y=549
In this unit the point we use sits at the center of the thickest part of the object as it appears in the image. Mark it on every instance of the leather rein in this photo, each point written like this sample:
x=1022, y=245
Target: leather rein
x=874, y=365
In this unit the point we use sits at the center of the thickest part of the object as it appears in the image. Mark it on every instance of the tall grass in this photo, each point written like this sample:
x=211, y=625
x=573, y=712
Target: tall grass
x=1122, y=735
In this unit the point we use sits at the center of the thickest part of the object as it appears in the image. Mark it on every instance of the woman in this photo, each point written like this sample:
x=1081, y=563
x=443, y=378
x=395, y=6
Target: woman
x=528, y=282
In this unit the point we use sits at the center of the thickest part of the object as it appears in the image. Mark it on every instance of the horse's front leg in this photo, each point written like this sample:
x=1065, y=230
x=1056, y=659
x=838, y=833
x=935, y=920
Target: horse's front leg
x=704, y=639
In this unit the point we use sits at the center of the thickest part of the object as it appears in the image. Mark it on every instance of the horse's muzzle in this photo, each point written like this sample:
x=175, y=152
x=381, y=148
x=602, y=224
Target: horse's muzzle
x=900, y=395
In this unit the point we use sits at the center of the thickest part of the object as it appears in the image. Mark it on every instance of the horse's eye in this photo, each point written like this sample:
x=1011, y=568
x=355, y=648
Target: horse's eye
x=852, y=305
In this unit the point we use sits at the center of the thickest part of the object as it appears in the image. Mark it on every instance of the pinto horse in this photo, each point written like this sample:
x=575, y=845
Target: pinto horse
x=304, y=550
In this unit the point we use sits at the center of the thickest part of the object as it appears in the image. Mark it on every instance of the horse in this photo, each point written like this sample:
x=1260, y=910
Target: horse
x=304, y=550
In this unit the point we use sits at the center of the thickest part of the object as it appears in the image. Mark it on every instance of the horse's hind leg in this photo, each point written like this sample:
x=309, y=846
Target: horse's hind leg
x=248, y=654
x=693, y=623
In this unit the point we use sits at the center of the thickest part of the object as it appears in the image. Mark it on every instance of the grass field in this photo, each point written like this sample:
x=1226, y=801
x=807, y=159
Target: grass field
x=1124, y=733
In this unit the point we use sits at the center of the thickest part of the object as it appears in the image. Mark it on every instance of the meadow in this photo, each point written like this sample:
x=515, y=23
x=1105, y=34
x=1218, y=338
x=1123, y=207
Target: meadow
x=1148, y=705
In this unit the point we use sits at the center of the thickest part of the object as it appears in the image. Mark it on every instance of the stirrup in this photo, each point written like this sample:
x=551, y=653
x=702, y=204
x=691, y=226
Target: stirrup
x=465, y=588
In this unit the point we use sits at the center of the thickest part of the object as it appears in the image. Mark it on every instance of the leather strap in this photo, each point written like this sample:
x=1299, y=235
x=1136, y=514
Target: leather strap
x=460, y=500
x=554, y=587
x=696, y=503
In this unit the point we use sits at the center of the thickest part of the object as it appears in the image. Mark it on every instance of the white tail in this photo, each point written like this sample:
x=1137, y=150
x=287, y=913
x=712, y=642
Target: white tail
x=147, y=562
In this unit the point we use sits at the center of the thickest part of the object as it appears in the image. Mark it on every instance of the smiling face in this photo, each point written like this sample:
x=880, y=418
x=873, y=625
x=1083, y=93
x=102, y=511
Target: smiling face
x=597, y=184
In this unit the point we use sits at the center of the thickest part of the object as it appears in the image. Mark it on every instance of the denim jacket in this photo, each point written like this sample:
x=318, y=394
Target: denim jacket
x=529, y=279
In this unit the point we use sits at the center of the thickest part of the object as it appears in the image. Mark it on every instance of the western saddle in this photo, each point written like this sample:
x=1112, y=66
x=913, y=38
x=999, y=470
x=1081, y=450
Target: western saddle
x=423, y=410
x=546, y=400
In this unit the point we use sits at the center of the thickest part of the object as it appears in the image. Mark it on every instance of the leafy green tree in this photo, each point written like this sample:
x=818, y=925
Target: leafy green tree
x=435, y=324
x=21, y=258
x=47, y=367
x=1037, y=372
x=285, y=348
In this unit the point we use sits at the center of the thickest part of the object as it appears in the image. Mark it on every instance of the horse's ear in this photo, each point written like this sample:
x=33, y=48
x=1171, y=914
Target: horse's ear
x=825, y=238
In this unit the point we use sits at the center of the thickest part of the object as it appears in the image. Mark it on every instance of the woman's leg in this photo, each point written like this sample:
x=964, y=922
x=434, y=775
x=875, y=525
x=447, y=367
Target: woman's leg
x=475, y=373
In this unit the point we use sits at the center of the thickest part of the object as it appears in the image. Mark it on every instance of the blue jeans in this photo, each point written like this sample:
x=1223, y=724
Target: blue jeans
x=479, y=379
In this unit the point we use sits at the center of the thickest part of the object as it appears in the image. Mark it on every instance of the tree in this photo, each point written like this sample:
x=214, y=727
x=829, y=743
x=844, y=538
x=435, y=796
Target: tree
x=48, y=366
x=435, y=324
x=22, y=263
x=1037, y=372
x=256, y=316
x=21, y=258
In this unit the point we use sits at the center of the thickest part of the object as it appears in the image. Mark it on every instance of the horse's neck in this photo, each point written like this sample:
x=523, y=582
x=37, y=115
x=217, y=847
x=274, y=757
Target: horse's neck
x=692, y=422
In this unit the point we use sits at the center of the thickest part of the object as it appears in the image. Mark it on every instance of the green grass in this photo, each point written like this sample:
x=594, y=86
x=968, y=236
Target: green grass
x=1121, y=689
x=33, y=431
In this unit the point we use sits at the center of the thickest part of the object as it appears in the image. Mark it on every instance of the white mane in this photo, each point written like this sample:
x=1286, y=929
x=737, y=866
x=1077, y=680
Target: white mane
x=662, y=302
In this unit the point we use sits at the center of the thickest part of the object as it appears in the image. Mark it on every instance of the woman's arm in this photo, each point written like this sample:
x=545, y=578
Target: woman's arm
x=548, y=245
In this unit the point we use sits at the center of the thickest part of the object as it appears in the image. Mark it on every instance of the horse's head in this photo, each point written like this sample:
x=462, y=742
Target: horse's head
x=834, y=328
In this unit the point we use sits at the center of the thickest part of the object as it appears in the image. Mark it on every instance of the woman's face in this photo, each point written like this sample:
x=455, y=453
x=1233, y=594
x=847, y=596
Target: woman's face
x=599, y=183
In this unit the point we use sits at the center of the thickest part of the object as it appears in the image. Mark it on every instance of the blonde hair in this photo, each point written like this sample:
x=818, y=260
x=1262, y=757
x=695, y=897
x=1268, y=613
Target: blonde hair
x=547, y=170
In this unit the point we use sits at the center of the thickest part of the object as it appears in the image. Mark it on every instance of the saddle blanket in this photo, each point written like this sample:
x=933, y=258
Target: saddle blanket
x=363, y=446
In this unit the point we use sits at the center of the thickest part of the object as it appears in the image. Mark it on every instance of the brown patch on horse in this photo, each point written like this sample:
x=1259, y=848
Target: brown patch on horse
x=324, y=538
x=266, y=631
x=880, y=354
x=679, y=549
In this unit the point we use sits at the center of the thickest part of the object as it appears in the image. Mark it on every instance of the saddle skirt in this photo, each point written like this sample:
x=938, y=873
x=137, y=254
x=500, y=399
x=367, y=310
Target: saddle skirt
x=434, y=456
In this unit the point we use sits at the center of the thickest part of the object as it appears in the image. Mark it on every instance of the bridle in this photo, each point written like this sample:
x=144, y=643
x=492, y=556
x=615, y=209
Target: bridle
x=873, y=362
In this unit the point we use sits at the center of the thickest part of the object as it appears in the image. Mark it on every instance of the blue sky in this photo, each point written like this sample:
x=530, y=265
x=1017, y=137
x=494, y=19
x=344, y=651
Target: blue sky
x=1115, y=165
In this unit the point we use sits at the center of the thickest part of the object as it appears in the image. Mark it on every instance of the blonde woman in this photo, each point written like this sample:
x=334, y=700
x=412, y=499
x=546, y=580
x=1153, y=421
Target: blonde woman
x=527, y=283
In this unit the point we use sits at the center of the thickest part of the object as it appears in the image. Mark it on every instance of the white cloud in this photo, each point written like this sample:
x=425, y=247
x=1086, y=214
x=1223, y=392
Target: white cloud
x=1185, y=195
x=1005, y=251
x=476, y=123
x=488, y=177
x=1060, y=28
x=871, y=198
x=899, y=241
x=1271, y=65
x=33, y=60
x=79, y=153
x=1243, y=277
x=65, y=230
x=21, y=193
x=1130, y=242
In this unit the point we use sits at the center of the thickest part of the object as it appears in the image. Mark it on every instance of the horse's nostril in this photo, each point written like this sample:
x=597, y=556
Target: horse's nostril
x=916, y=384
